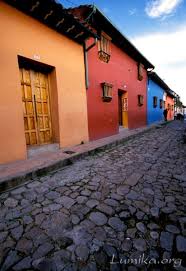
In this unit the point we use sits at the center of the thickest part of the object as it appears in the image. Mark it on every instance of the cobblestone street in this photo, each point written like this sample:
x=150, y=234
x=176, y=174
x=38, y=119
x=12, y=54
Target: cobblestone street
x=122, y=205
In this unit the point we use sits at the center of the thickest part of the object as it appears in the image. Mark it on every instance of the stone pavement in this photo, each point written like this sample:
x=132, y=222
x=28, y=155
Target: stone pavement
x=126, y=204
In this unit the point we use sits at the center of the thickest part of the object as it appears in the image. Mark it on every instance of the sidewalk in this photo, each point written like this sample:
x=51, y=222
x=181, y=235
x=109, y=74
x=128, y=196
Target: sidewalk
x=16, y=173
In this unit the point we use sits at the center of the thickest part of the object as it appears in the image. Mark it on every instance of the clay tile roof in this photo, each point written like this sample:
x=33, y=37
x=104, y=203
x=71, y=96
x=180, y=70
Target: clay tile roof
x=55, y=16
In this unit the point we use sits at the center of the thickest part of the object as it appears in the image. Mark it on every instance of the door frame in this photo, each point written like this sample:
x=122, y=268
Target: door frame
x=120, y=114
x=49, y=71
x=124, y=111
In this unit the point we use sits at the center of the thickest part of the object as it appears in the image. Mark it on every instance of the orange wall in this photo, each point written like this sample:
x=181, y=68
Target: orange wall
x=170, y=115
x=24, y=36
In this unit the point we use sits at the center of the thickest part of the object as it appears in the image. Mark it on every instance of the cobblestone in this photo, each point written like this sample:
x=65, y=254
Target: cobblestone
x=23, y=264
x=166, y=240
x=116, y=224
x=10, y=202
x=17, y=232
x=141, y=227
x=181, y=243
x=24, y=246
x=125, y=201
x=98, y=218
x=140, y=244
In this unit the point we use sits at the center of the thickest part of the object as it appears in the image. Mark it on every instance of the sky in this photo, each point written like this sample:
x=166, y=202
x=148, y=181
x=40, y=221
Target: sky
x=157, y=28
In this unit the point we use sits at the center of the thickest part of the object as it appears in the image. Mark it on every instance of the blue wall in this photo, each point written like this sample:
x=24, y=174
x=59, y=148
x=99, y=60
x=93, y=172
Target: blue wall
x=154, y=114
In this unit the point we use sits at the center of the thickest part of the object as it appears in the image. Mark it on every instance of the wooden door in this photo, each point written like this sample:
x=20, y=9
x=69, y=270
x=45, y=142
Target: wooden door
x=36, y=107
x=120, y=109
x=125, y=110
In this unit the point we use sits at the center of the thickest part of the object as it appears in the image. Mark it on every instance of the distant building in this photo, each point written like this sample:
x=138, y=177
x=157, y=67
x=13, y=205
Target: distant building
x=159, y=97
x=169, y=104
x=178, y=106
x=156, y=97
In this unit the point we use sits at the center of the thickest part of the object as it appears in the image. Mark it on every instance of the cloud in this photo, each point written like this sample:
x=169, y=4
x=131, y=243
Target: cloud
x=132, y=11
x=159, y=8
x=166, y=50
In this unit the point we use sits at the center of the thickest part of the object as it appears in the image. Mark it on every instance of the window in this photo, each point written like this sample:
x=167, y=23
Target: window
x=155, y=101
x=125, y=104
x=161, y=103
x=104, y=47
x=140, y=100
x=107, y=91
x=140, y=72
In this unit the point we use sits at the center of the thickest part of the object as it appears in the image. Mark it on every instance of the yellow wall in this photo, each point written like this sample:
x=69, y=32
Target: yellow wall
x=24, y=36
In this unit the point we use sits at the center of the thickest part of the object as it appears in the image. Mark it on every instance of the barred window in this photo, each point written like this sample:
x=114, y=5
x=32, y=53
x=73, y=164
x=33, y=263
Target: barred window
x=140, y=72
x=107, y=91
x=104, y=47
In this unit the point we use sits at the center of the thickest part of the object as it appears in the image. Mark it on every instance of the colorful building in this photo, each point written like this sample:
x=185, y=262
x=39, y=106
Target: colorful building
x=116, y=77
x=159, y=97
x=169, y=104
x=155, y=98
x=41, y=51
x=178, y=106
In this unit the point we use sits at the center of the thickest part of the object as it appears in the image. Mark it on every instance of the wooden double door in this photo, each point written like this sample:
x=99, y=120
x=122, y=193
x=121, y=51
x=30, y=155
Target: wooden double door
x=36, y=107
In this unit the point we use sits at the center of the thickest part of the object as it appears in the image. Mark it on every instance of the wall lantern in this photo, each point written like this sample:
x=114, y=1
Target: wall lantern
x=107, y=91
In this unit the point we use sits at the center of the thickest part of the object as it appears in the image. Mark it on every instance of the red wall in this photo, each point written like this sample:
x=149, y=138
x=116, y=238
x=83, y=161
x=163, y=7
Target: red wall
x=120, y=71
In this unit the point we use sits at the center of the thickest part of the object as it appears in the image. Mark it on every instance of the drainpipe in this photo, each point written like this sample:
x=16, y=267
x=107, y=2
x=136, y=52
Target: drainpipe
x=86, y=49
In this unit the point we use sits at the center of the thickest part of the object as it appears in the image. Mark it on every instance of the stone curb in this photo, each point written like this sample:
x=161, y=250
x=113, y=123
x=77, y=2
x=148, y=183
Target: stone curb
x=17, y=180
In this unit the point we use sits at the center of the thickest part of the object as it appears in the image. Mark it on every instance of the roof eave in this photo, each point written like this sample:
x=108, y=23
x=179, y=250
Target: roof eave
x=144, y=60
x=155, y=77
x=132, y=51
x=52, y=14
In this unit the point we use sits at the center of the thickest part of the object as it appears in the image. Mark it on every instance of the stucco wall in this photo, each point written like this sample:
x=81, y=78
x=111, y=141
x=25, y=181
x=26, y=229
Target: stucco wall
x=154, y=114
x=121, y=71
x=24, y=36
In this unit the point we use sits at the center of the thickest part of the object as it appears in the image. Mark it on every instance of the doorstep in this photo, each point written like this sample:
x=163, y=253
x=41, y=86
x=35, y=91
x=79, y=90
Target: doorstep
x=15, y=173
x=34, y=151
